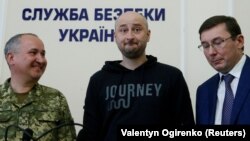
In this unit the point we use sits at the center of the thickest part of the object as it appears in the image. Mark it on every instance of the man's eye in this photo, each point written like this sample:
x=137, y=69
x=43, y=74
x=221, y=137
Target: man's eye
x=32, y=53
x=136, y=30
x=205, y=45
x=43, y=53
x=217, y=41
x=123, y=30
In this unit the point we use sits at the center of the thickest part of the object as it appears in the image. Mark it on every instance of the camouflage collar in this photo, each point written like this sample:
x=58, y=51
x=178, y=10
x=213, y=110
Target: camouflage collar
x=7, y=92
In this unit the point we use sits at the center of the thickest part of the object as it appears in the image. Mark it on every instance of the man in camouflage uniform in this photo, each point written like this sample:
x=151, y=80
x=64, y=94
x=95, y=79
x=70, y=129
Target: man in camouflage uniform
x=25, y=104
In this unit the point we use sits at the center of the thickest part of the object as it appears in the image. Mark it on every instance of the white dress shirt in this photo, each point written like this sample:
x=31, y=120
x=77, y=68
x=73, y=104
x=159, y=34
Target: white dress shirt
x=236, y=72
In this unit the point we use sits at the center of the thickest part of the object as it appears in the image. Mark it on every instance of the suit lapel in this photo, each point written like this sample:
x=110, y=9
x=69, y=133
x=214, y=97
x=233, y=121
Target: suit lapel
x=212, y=97
x=243, y=90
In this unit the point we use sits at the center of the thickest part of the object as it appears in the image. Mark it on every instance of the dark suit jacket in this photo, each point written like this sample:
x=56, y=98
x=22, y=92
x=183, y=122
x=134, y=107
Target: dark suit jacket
x=206, y=99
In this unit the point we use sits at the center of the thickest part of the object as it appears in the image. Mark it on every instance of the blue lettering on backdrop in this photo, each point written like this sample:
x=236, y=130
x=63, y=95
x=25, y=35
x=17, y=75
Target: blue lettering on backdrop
x=67, y=14
x=100, y=34
x=109, y=14
x=80, y=35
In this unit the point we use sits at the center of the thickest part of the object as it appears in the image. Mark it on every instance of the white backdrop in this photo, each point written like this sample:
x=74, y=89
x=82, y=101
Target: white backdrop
x=173, y=40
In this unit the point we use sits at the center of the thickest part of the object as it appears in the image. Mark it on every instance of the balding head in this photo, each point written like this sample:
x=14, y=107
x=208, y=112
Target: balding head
x=131, y=16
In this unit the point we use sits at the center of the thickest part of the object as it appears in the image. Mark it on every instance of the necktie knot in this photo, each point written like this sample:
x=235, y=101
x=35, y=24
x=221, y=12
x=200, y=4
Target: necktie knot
x=228, y=78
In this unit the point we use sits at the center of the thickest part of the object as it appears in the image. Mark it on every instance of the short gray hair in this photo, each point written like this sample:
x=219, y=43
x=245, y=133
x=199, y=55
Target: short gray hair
x=12, y=44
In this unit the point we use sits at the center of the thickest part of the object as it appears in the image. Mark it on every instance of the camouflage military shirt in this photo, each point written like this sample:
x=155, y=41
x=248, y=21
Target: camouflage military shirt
x=44, y=108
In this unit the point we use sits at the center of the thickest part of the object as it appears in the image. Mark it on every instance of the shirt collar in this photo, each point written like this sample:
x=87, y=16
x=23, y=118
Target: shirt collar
x=236, y=71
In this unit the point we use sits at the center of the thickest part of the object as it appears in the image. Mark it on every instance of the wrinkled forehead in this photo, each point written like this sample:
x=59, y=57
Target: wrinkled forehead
x=29, y=41
x=131, y=18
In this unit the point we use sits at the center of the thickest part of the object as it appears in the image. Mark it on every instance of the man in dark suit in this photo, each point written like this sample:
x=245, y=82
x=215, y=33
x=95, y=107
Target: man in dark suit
x=223, y=45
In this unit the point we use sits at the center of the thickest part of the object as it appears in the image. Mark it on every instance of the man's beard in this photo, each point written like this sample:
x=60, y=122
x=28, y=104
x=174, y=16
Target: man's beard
x=134, y=53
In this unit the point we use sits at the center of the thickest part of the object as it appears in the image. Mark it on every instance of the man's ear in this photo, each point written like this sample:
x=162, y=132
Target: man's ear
x=10, y=58
x=240, y=41
x=149, y=33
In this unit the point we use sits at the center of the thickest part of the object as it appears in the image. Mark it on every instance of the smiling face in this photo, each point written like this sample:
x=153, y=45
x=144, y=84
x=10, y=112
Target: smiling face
x=27, y=61
x=222, y=59
x=132, y=34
